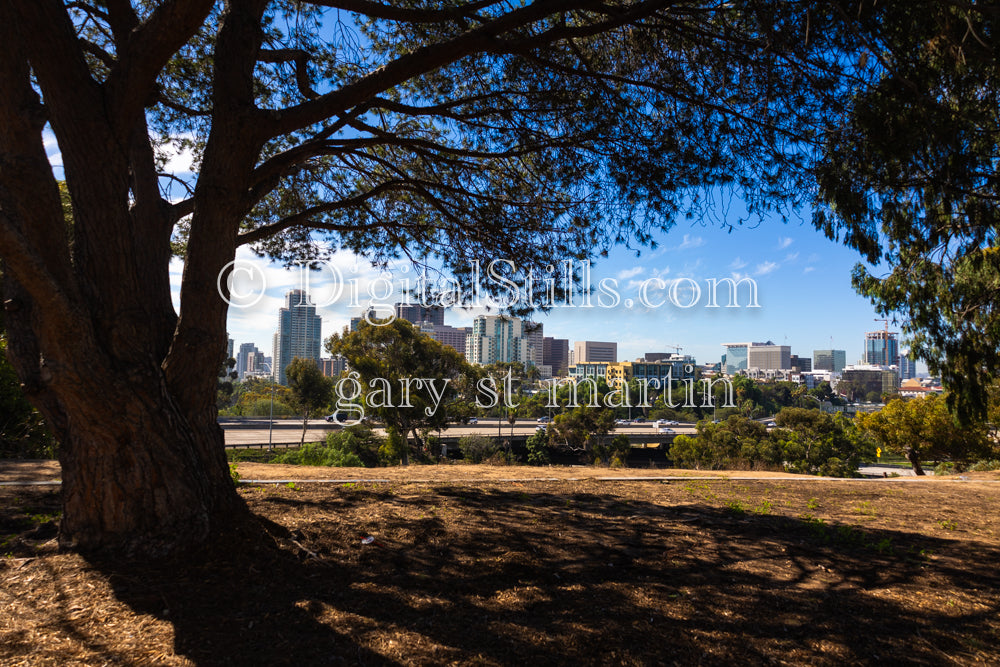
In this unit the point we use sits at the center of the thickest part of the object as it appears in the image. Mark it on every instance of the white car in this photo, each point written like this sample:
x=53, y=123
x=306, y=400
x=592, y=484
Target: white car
x=473, y=420
x=622, y=422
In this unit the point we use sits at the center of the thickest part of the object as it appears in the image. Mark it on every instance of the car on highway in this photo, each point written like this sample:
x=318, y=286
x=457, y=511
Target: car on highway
x=473, y=420
x=623, y=422
x=544, y=420
x=665, y=430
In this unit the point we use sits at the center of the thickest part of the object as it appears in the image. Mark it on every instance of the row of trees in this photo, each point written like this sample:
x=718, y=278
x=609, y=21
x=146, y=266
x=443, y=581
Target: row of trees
x=804, y=441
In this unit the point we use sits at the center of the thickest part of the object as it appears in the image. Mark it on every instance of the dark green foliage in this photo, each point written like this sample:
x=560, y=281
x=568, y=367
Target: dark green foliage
x=23, y=434
x=818, y=443
x=316, y=454
x=581, y=429
x=311, y=390
x=806, y=441
x=538, y=448
x=226, y=387
x=477, y=448
x=388, y=361
x=908, y=178
x=354, y=446
x=921, y=429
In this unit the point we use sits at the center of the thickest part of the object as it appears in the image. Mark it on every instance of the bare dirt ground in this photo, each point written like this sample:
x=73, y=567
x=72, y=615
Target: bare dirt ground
x=472, y=570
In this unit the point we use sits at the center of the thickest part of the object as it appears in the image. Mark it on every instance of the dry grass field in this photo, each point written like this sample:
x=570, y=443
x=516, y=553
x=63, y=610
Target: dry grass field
x=480, y=565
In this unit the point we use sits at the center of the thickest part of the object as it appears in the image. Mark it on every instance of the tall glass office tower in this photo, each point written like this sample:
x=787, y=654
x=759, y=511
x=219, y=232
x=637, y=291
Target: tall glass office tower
x=298, y=334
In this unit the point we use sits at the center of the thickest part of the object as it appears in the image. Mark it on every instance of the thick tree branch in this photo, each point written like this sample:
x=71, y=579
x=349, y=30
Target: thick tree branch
x=423, y=60
x=306, y=216
x=378, y=10
x=162, y=98
x=148, y=47
x=301, y=59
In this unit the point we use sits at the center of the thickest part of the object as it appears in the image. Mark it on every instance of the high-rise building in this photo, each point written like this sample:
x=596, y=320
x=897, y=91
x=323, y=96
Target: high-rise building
x=246, y=349
x=801, y=364
x=298, y=334
x=417, y=314
x=870, y=378
x=829, y=360
x=229, y=349
x=591, y=350
x=762, y=356
x=257, y=365
x=882, y=348
x=907, y=365
x=332, y=367
x=768, y=356
x=536, y=342
x=495, y=339
x=555, y=353
x=453, y=337
x=736, y=358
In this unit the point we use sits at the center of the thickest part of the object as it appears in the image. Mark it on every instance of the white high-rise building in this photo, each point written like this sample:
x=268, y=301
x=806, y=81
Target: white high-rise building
x=496, y=339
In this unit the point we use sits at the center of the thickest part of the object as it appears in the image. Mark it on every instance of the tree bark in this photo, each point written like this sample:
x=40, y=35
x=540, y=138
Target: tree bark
x=140, y=477
x=914, y=458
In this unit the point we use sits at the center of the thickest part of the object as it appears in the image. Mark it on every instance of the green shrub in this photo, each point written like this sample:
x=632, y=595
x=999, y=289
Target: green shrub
x=476, y=448
x=984, y=466
x=393, y=449
x=538, y=448
x=314, y=454
x=944, y=468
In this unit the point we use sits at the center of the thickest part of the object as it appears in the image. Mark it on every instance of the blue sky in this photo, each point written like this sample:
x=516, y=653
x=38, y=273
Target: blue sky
x=803, y=279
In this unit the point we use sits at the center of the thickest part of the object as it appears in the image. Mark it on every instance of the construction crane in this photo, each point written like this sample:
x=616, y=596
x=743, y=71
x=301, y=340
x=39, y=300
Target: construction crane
x=677, y=348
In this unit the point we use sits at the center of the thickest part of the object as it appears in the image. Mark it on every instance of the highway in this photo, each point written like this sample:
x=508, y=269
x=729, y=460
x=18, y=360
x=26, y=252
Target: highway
x=254, y=431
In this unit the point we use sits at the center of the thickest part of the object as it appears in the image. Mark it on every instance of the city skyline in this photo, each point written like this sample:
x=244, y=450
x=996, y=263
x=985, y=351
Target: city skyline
x=803, y=282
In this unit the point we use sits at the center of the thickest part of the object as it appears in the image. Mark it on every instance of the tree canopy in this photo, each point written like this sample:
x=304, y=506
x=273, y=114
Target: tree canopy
x=400, y=376
x=909, y=179
x=922, y=430
x=311, y=390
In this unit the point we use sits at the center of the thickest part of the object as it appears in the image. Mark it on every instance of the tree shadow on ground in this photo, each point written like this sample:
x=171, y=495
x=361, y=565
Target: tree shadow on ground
x=487, y=576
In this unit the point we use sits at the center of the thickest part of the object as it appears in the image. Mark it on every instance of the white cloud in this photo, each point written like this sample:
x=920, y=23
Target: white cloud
x=179, y=161
x=765, y=267
x=784, y=242
x=791, y=257
x=691, y=242
x=809, y=269
x=629, y=273
x=737, y=264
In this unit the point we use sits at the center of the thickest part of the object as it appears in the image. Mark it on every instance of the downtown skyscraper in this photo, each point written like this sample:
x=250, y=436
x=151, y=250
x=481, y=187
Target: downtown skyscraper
x=298, y=334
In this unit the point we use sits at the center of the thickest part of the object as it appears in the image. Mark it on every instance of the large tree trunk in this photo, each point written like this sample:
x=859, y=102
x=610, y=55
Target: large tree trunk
x=139, y=474
x=140, y=477
x=914, y=458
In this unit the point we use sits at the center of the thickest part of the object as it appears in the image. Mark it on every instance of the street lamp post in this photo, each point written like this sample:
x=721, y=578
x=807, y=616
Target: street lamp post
x=270, y=420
